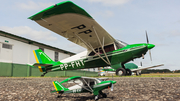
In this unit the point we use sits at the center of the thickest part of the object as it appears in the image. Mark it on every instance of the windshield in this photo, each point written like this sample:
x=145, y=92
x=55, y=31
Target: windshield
x=120, y=44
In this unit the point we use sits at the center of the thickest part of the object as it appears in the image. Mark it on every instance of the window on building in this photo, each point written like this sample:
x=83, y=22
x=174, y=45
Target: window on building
x=41, y=49
x=7, y=46
x=56, y=56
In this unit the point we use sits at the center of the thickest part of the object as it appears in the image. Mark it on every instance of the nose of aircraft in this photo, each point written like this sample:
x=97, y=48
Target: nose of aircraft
x=150, y=46
x=113, y=82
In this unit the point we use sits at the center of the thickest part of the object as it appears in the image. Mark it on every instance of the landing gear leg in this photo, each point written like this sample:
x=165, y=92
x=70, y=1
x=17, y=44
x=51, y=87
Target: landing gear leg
x=104, y=95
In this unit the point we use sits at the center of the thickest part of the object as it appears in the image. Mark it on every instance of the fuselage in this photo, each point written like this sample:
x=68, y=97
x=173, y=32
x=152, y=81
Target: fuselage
x=116, y=57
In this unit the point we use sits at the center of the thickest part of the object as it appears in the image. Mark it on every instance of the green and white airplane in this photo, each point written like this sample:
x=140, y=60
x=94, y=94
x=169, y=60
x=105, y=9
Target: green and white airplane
x=84, y=85
x=74, y=23
x=131, y=69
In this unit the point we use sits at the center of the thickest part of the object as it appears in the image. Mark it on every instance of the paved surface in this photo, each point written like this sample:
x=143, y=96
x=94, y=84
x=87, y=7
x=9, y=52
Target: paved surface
x=126, y=89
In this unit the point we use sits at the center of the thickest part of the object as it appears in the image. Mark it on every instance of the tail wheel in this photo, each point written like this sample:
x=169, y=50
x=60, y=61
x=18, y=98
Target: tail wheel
x=138, y=73
x=128, y=72
x=121, y=72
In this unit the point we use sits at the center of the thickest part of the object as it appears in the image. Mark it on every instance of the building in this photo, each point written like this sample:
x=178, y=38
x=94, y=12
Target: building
x=19, y=50
x=16, y=53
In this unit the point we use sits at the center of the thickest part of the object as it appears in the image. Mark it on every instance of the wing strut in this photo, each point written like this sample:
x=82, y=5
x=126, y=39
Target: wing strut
x=90, y=46
x=102, y=46
x=85, y=87
x=87, y=84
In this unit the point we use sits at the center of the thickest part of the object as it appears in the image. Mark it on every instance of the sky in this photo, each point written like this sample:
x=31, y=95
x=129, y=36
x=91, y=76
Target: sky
x=126, y=20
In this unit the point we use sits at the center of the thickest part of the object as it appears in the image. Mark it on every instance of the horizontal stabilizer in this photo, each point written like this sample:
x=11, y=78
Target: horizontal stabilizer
x=61, y=91
x=40, y=64
x=108, y=69
x=133, y=70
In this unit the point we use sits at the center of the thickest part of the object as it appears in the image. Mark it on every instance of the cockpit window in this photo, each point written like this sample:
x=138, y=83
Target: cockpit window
x=120, y=44
x=107, y=48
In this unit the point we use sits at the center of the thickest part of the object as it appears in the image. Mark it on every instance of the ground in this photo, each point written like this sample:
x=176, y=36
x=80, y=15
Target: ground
x=126, y=89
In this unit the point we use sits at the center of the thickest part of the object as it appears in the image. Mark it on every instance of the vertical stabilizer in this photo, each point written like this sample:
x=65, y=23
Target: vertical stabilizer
x=42, y=58
x=58, y=87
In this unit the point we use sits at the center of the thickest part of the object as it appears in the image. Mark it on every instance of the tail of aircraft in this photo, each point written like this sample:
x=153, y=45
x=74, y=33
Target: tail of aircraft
x=58, y=87
x=43, y=61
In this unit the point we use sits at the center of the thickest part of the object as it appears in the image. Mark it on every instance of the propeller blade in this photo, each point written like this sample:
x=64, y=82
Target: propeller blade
x=147, y=38
x=112, y=87
x=147, y=44
x=150, y=55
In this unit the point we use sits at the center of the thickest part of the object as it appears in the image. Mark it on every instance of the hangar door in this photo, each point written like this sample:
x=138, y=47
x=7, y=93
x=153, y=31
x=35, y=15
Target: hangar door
x=6, y=52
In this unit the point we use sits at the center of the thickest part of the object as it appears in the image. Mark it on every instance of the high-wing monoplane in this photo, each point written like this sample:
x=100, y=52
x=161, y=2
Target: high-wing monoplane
x=76, y=25
x=130, y=69
x=84, y=85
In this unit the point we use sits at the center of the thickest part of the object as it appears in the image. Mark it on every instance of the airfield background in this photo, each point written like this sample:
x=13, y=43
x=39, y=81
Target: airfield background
x=17, y=52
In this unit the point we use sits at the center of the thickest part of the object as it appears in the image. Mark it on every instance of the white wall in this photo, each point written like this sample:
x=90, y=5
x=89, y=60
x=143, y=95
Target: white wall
x=22, y=53
x=5, y=54
x=32, y=58
x=63, y=56
x=49, y=53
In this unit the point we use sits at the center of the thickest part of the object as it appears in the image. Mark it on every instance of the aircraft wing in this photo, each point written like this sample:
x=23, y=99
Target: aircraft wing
x=133, y=70
x=74, y=23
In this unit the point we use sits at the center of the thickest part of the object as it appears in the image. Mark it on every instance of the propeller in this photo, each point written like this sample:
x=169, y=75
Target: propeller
x=112, y=86
x=147, y=46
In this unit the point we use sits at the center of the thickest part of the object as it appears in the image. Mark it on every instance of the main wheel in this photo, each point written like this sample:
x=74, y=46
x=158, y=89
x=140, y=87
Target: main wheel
x=128, y=72
x=121, y=72
x=104, y=95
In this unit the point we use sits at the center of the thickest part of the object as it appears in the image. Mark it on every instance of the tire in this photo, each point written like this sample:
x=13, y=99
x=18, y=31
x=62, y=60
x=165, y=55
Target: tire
x=104, y=95
x=128, y=72
x=120, y=72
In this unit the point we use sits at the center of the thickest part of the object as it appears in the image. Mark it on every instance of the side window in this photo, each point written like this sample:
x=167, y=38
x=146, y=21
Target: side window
x=7, y=46
x=41, y=49
x=56, y=55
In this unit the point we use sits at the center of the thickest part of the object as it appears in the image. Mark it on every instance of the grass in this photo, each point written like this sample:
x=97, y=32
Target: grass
x=152, y=75
x=134, y=76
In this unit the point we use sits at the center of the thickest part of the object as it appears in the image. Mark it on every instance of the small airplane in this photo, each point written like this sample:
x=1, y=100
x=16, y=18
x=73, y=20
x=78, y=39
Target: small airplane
x=74, y=23
x=84, y=85
x=131, y=68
